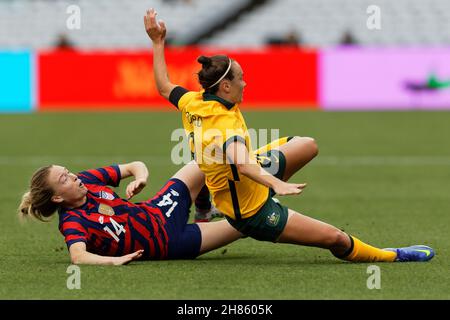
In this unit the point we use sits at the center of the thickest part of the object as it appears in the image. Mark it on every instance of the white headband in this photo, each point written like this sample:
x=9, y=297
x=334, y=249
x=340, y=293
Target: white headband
x=220, y=79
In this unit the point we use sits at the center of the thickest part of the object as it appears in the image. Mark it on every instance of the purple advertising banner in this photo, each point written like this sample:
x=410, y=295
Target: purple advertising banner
x=384, y=78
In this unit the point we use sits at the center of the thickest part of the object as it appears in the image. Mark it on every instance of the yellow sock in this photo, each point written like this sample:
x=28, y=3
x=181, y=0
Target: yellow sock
x=362, y=252
x=273, y=144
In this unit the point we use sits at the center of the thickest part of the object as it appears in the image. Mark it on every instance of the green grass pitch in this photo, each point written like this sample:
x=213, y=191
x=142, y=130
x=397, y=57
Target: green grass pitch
x=382, y=176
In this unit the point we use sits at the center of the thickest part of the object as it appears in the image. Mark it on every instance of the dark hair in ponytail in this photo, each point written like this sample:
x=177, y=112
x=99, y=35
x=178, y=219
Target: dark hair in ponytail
x=213, y=68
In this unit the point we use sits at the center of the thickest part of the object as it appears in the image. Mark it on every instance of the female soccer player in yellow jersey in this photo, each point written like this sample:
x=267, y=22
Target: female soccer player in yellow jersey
x=241, y=188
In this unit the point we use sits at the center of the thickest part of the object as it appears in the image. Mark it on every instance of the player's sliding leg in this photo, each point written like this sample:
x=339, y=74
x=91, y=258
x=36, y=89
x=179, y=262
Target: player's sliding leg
x=275, y=144
x=217, y=234
x=307, y=231
x=297, y=152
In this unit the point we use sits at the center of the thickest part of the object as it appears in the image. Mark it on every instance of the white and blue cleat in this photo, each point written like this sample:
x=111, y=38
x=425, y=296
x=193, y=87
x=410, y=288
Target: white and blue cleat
x=413, y=253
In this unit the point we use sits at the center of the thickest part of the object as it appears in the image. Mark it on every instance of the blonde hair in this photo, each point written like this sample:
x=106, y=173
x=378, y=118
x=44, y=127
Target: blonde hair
x=37, y=202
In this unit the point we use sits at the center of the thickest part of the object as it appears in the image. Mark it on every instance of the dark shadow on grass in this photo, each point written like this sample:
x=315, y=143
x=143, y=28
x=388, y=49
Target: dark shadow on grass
x=248, y=260
x=262, y=261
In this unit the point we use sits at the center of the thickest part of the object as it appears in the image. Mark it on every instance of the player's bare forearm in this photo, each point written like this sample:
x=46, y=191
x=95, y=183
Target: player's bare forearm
x=238, y=154
x=258, y=174
x=90, y=258
x=137, y=169
x=79, y=255
x=156, y=31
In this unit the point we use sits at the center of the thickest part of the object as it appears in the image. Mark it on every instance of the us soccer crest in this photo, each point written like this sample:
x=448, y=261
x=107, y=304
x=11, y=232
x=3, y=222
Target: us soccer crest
x=106, y=195
x=105, y=209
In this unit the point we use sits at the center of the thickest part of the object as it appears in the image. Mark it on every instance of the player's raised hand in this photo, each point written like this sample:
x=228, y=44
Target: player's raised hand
x=285, y=189
x=134, y=187
x=156, y=30
x=118, y=261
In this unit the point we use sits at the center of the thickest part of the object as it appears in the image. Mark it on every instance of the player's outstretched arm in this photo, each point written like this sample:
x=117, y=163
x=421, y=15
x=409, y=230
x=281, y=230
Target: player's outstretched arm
x=79, y=255
x=139, y=171
x=156, y=30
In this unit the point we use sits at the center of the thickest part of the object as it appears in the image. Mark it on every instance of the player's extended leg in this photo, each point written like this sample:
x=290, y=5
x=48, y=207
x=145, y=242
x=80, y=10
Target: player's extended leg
x=275, y=144
x=297, y=151
x=217, y=234
x=307, y=231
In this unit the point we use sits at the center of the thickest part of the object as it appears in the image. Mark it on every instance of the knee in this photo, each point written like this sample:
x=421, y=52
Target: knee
x=336, y=239
x=310, y=144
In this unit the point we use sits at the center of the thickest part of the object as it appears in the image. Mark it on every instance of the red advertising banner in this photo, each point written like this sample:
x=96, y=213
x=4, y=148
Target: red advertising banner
x=69, y=80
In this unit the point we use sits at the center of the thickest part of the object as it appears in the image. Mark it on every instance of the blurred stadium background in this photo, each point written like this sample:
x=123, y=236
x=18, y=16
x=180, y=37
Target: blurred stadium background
x=322, y=52
x=382, y=174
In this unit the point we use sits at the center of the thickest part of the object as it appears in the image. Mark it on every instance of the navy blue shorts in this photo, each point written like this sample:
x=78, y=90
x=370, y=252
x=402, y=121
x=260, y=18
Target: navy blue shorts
x=174, y=200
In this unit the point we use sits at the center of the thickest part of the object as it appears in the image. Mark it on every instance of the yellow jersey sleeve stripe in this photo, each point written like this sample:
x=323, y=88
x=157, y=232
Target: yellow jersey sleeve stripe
x=233, y=167
x=235, y=172
x=234, y=200
x=176, y=94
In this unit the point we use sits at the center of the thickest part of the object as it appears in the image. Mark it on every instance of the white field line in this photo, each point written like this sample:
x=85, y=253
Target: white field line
x=165, y=160
x=383, y=161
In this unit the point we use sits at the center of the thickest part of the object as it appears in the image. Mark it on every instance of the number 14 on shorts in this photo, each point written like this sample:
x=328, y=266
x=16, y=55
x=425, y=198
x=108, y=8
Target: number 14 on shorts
x=167, y=201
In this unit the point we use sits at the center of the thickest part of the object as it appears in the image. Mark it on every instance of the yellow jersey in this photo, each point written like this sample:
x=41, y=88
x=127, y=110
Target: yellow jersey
x=211, y=124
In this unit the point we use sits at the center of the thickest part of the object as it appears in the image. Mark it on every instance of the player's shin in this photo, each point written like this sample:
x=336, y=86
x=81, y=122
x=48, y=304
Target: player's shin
x=362, y=252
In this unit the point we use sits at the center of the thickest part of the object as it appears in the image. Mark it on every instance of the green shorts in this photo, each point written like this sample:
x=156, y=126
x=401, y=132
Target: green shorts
x=274, y=162
x=267, y=224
